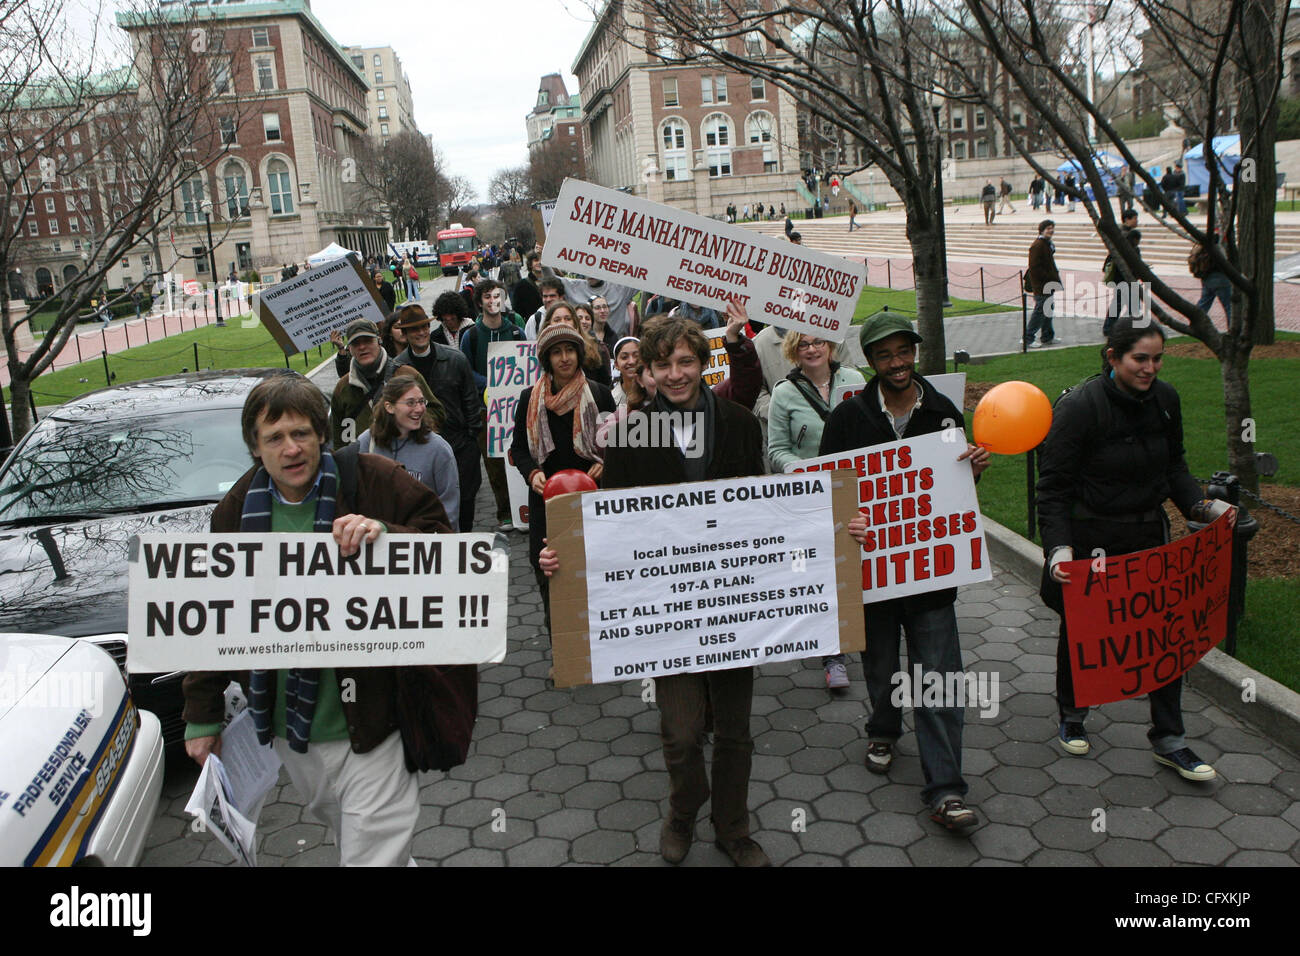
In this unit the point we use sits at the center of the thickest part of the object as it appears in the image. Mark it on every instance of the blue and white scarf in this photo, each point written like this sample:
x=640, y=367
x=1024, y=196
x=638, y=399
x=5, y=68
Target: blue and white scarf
x=301, y=683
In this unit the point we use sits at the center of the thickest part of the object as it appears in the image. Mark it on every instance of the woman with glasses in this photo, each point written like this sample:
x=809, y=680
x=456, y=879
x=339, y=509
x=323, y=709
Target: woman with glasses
x=800, y=406
x=600, y=328
x=402, y=429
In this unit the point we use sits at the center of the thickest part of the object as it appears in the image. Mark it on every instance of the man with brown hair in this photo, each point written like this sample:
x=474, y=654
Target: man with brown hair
x=343, y=752
x=726, y=443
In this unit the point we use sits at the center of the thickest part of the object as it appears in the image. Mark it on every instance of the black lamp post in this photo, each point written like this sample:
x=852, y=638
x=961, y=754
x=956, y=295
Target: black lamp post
x=212, y=263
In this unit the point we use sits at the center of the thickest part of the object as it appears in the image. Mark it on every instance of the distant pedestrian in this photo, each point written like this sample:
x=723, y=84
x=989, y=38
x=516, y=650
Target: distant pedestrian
x=1174, y=183
x=853, y=215
x=989, y=196
x=1214, y=283
x=1070, y=186
x=1043, y=279
x=1036, y=192
x=1004, y=193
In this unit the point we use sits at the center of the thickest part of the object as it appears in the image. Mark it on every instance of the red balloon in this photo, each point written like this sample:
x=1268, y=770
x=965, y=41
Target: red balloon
x=1012, y=418
x=567, y=481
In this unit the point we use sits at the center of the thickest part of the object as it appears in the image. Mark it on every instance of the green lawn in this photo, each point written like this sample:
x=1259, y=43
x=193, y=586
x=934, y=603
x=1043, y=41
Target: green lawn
x=231, y=347
x=1266, y=639
x=875, y=298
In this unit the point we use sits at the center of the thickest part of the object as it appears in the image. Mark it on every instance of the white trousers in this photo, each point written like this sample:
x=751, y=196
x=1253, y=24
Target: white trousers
x=370, y=801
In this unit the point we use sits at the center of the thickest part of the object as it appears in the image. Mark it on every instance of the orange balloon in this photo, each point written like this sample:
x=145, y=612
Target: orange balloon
x=1012, y=418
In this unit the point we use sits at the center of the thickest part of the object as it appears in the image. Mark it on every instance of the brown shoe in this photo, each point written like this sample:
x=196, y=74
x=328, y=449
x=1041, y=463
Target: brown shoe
x=675, y=839
x=744, y=852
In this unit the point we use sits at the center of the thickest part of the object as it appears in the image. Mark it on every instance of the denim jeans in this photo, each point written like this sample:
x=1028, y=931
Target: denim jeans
x=1166, y=733
x=686, y=704
x=1216, y=286
x=1041, y=318
x=932, y=643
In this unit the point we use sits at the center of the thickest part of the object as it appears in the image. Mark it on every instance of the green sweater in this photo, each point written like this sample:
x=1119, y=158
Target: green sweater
x=329, y=722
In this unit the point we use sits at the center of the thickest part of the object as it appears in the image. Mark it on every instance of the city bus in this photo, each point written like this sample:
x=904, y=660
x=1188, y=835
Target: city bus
x=456, y=247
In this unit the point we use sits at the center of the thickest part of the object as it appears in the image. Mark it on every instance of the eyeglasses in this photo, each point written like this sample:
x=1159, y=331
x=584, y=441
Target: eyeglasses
x=812, y=344
x=415, y=403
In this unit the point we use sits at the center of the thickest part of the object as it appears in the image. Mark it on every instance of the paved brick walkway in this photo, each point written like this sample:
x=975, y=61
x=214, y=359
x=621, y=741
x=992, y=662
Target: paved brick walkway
x=580, y=779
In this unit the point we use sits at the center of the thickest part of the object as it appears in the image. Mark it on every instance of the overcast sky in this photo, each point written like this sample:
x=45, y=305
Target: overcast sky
x=473, y=67
x=473, y=71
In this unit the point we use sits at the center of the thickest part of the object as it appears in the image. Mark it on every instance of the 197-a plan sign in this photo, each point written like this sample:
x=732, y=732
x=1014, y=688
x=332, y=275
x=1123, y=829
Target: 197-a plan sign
x=606, y=234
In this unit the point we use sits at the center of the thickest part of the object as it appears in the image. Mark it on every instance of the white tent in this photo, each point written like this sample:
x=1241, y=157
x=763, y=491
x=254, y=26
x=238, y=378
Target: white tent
x=328, y=254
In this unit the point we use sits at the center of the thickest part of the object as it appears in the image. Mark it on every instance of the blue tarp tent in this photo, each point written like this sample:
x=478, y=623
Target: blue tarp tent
x=1108, y=165
x=1226, y=148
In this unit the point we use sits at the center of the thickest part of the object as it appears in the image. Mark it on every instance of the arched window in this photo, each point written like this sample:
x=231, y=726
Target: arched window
x=69, y=274
x=44, y=282
x=673, y=136
x=17, y=287
x=280, y=187
x=758, y=131
x=236, y=184
x=717, y=144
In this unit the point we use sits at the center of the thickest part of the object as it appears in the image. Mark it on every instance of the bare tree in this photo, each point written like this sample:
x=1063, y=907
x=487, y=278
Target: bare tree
x=548, y=167
x=403, y=181
x=121, y=136
x=1232, y=49
x=859, y=75
x=461, y=194
x=510, y=192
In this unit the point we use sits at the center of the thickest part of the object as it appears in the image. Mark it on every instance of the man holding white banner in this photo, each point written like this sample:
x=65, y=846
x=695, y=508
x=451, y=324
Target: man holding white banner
x=335, y=731
x=896, y=404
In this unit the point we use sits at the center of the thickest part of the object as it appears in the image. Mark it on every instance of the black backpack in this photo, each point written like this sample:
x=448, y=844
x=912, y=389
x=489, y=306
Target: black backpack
x=1103, y=415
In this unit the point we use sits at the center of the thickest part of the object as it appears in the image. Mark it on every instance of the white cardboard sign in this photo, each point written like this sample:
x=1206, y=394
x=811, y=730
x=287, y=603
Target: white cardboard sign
x=607, y=234
x=301, y=312
x=736, y=573
x=924, y=526
x=231, y=602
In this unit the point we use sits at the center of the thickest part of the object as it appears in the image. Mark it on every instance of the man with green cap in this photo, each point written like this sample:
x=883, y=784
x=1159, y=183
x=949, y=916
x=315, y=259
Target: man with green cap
x=898, y=403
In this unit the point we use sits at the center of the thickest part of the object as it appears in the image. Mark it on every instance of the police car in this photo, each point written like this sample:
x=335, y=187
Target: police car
x=81, y=767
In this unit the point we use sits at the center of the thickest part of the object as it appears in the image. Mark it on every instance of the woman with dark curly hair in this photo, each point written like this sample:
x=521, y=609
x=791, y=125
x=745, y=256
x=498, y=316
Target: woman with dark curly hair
x=449, y=309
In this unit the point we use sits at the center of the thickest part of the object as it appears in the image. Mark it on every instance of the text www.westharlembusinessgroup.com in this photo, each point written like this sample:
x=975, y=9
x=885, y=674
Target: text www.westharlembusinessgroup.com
x=292, y=647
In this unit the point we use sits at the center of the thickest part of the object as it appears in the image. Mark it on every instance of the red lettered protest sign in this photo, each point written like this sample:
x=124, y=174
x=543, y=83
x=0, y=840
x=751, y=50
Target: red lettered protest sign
x=924, y=530
x=1137, y=621
x=606, y=234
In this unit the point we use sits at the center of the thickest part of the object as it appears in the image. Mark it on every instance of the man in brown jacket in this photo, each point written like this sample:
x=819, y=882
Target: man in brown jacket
x=335, y=731
x=1044, y=280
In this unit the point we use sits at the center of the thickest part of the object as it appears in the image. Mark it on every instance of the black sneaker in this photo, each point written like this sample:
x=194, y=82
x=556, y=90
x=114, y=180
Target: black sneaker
x=1188, y=765
x=879, y=756
x=1074, y=739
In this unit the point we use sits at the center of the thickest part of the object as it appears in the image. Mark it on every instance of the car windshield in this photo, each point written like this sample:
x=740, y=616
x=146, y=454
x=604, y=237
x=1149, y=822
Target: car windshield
x=74, y=467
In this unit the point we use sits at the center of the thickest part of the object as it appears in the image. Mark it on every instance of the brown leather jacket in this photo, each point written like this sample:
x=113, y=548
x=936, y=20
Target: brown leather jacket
x=387, y=493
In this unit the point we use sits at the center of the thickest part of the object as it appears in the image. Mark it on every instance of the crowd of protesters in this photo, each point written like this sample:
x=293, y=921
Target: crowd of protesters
x=412, y=391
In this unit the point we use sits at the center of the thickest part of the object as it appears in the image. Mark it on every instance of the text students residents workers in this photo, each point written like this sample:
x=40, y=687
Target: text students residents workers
x=897, y=403
x=343, y=752
x=676, y=351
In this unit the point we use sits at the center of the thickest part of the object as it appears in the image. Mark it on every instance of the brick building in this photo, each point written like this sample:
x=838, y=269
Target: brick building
x=556, y=143
x=694, y=136
x=277, y=193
